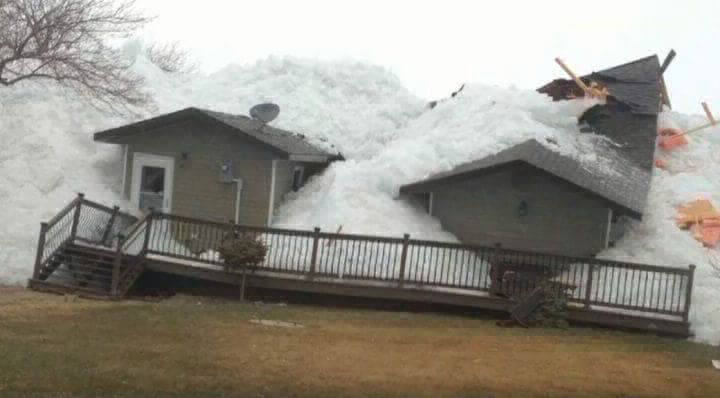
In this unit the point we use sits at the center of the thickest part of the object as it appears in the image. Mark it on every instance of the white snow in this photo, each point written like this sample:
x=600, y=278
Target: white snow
x=388, y=135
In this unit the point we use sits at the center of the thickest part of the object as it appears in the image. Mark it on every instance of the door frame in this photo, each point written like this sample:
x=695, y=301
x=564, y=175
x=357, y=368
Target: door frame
x=141, y=159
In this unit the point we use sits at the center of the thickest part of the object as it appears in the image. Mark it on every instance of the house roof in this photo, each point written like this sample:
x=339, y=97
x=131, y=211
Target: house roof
x=292, y=144
x=626, y=185
x=628, y=119
x=635, y=84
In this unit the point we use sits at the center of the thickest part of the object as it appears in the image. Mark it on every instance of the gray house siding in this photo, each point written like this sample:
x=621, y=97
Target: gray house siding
x=484, y=210
x=197, y=189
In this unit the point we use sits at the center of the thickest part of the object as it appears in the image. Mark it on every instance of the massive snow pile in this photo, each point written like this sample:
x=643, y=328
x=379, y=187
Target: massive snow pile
x=388, y=136
x=693, y=172
x=359, y=194
x=47, y=153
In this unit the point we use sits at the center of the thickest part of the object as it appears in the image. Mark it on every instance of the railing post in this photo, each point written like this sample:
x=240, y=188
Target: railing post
x=116, y=265
x=110, y=223
x=76, y=217
x=496, y=271
x=40, y=249
x=148, y=231
x=313, y=258
x=688, y=293
x=588, y=284
x=403, y=258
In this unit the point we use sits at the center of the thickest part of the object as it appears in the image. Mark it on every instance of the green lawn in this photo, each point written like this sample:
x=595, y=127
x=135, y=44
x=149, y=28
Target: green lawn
x=53, y=346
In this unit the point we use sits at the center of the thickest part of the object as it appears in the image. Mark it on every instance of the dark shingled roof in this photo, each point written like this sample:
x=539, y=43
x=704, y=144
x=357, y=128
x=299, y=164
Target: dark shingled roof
x=635, y=84
x=629, y=120
x=625, y=185
x=282, y=140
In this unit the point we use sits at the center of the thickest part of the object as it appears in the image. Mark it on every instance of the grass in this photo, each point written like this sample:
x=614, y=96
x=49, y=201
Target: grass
x=54, y=346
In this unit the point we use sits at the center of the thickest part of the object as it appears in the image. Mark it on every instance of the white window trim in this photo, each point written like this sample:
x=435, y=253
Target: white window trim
x=151, y=159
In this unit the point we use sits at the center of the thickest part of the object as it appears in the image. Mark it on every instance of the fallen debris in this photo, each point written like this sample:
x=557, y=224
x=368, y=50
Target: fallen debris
x=703, y=220
x=594, y=90
x=671, y=138
x=282, y=324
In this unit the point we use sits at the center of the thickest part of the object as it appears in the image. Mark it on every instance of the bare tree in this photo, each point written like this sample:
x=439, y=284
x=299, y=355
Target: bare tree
x=66, y=41
x=171, y=58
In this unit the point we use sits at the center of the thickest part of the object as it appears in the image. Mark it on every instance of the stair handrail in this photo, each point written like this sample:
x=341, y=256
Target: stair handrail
x=136, y=231
x=40, y=257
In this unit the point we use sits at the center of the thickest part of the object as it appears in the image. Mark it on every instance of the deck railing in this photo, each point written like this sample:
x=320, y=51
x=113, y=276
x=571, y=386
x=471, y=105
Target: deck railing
x=402, y=262
x=83, y=221
x=589, y=282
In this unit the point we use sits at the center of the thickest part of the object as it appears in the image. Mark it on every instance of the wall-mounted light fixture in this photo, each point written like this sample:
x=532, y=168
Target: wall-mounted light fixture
x=522, y=209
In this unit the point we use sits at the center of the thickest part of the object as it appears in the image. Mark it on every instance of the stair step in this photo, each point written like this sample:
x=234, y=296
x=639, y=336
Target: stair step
x=69, y=279
x=58, y=288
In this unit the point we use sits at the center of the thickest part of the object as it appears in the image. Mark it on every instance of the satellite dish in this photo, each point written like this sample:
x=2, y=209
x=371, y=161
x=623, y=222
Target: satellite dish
x=265, y=113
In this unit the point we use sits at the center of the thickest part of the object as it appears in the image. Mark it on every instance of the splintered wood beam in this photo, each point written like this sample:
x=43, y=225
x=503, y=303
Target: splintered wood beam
x=712, y=121
x=708, y=113
x=572, y=74
x=671, y=55
x=664, y=92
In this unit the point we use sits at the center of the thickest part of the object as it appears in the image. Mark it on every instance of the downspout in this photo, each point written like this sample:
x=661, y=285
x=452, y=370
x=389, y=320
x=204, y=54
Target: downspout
x=609, y=227
x=238, y=196
x=271, y=207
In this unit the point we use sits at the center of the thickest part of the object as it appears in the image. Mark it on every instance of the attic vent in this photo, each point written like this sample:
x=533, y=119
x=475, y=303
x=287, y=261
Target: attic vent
x=265, y=113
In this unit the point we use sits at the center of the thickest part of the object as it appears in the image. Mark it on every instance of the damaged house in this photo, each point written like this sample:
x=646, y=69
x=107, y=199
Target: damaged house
x=529, y=197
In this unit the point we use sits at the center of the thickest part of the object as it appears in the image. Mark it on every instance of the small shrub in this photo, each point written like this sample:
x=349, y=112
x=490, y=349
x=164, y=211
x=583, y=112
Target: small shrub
x=552, y=313
x=242, y=250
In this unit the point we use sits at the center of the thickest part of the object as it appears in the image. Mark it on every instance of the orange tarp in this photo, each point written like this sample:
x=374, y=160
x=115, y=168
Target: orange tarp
x=671, y=138
x=703, y=219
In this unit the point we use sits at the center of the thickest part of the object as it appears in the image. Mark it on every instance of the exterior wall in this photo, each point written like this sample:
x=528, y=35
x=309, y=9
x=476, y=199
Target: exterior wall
x=284, y=171
x=197, y=189
x=485, y=210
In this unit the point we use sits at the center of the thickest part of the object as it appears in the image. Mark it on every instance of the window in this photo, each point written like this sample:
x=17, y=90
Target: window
x=298, y=175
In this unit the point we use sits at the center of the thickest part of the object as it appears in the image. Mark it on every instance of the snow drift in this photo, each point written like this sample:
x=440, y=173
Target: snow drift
x=388, y=135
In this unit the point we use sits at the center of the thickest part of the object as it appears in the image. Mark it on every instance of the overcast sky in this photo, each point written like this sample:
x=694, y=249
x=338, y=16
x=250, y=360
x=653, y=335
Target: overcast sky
x=435, y=46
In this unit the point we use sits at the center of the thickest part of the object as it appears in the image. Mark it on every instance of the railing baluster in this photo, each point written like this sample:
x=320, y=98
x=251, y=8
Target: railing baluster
x=688, y=292
x=315, y=245
x=39, y=254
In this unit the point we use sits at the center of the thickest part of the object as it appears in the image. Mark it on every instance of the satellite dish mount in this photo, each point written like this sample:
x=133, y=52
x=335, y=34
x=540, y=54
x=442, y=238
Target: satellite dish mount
x=265, y=113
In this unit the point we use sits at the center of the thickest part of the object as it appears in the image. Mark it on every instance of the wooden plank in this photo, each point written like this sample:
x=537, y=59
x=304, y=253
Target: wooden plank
x=709, y=114
x=668, y=59
x=527, y=306
x=572, y=75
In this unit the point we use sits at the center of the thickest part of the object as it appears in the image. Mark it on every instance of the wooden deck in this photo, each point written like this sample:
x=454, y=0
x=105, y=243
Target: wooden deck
x=75, y=253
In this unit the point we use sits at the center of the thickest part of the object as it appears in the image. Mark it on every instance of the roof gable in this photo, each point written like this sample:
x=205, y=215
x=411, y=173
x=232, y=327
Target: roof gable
x=286, y=142
x=626, y=187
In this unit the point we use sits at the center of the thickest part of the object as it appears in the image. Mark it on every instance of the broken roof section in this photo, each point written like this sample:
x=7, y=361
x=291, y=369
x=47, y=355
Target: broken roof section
x=635, y=84
x=628, y=119
x=292, y=144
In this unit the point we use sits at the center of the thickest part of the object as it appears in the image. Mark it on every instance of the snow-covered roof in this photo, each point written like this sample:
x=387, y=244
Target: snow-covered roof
x=628, y=191
x=628, y=120
x=285, y=141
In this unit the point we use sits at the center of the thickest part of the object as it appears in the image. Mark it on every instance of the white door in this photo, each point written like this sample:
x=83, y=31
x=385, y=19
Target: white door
x=152, y=182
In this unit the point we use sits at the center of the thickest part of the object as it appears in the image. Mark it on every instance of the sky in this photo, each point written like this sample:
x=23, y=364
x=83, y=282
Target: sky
x=435, y=46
